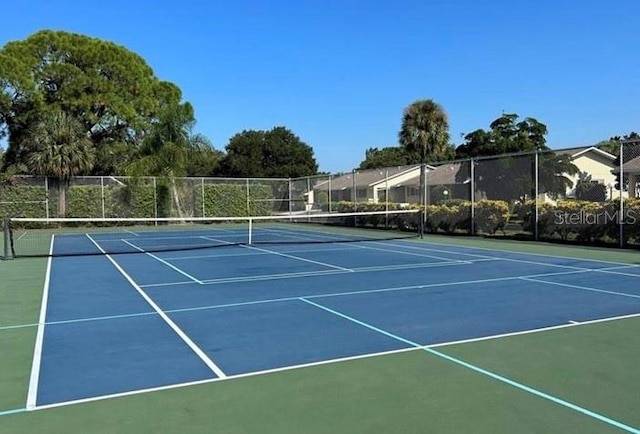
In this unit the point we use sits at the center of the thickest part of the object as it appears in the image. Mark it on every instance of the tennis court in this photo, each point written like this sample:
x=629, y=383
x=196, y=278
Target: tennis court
x=471, y=334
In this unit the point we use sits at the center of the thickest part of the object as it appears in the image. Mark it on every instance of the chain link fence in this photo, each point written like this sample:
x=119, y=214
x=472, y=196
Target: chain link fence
x=581, y=195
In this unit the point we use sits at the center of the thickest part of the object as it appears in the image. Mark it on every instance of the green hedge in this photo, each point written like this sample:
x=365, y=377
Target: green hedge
x=136, y=200
x=23, y=201
x=451, y=216
x=230, y=200
x=584, y=221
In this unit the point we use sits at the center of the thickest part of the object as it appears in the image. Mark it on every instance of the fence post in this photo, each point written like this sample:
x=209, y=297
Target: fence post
x=46, y=196
x=248, y=203
x=290, y=198
x=621, y=183
x=155, y=200
x=204, y=213
x=330, y=195
x=102, y=195
x=472, y=196
x=537, y=194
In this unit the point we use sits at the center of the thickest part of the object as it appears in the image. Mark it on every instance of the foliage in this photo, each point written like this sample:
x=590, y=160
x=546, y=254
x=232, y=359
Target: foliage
x=224, y=200
x=583, y=221
x=424, y=134
x=202, y=158
x=612, y=145
x=22, y=200
x=386, y=157
x=629, y=152
x=170, y=151
x=274, y=153
x=134, y=199
x=588, y=190
x=110, y=90
x=453, y=216
x=512, y=178
x=57, y=147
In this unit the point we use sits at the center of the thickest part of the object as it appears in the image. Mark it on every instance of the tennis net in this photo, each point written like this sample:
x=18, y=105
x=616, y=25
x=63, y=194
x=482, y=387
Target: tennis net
x=33, y=237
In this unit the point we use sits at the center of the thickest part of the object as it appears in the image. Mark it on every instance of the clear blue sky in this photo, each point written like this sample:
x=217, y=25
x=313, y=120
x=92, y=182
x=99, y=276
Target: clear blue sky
x=338, y=73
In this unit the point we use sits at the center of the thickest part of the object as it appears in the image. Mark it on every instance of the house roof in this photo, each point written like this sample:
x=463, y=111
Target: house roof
x=631, y=166
x=576, y=152
x=446, y=174
x=366, y=178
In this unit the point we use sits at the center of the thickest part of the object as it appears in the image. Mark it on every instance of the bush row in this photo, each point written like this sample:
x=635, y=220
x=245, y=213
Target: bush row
x=136, y=200
x=583, y=220
x=452, y=216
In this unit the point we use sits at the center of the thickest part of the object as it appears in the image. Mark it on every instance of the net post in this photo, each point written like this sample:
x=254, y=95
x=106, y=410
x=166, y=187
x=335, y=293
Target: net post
x=250, y=238
x=6, y=231
x=472, y=195
x=423, y=196
x=536, y=194
x=621, y=183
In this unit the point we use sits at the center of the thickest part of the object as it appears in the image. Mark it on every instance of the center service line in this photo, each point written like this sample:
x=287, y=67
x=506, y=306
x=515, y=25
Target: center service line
x=201, y=354
x=173, y=267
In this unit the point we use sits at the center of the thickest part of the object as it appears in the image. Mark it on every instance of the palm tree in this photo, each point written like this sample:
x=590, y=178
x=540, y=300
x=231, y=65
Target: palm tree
x=425, y=131
x=424, y=134
x=59, y=148
x=165, y=153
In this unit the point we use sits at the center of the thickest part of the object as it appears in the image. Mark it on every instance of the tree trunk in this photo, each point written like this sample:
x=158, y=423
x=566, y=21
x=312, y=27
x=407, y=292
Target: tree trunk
x=62, y=197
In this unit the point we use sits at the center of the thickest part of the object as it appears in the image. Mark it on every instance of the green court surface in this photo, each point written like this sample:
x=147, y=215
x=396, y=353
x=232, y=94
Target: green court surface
x=584, y=377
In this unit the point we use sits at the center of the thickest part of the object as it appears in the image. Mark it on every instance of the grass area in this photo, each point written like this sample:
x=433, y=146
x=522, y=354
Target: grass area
x=414, y=392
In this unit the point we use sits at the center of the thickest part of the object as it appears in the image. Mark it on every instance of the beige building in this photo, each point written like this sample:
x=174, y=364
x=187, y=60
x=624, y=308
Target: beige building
x=598, y=164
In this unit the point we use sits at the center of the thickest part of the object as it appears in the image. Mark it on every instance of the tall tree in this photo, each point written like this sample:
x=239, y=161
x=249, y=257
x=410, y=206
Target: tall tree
x=274, y=153
x=170, y=151
x=202, y=158
x=110, y=90
x=58, y=147
x=386, y=157
x=512, y=177
x=424, y=134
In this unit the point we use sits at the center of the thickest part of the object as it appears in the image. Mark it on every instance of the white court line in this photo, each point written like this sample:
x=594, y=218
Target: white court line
x=583, y=288
x=479, y=370
x=293, y=297
x=173, y=267
x=131, y=232
x=32, y=394
x=618, y=273
x=608, y=270
x=573, y=322
x=330, y=361
x=362, y=246
x=232, y=255
x=324, y=272
x=302, y=274
x=201, y=354
x=324, y=264
x=544, y=255
x=230, y=377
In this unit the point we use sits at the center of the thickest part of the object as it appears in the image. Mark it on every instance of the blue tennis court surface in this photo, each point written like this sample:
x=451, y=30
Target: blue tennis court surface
x=129, y=322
